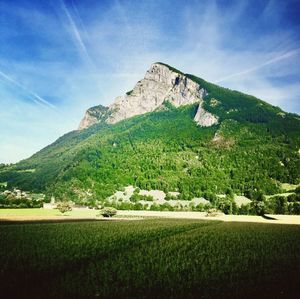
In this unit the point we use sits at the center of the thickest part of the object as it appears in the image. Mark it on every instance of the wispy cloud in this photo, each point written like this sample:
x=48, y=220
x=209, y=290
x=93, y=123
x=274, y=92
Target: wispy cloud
x=32, y=94
x=77, y=14
x=76, y=33
x=286, y=55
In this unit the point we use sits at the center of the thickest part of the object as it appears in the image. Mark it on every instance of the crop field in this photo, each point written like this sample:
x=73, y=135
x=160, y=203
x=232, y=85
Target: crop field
x=46, y=212
x=156, y=258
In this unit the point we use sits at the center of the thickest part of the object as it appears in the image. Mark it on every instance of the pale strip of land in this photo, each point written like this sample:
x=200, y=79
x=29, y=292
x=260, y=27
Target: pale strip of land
x=55, y=215
x=278, y=219
x=89, y=214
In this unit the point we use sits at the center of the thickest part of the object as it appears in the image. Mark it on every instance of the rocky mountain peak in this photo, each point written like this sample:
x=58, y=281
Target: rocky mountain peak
x=93, y=116
x=161, y=83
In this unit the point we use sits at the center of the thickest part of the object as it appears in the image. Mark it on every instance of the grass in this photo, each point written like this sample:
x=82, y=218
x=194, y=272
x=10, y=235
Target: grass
x=47, y=212
x=289, y=187
x=285, y=194
x=157, y=258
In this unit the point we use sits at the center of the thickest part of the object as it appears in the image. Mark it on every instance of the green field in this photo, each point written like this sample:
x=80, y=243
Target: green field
x=47, y=212
x=158, y=258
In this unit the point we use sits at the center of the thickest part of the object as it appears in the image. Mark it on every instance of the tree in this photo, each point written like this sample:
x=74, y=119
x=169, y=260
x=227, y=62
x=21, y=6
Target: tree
x=227, y=205
x=211, y=197
x=249, y=194
x=296, y=208
x=135, y=197
x=280, y=204
x=258, y=207
x=229, y=193
x=64, y=207
x=244, y=209
x=108, y=212
x=259, y=196
x=136, y=190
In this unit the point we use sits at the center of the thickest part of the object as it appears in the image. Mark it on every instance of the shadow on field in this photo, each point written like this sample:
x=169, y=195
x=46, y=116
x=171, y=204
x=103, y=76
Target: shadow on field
x=268, y=217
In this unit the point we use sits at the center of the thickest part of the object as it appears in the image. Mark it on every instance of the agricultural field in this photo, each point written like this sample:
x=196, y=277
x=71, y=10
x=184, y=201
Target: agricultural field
x=34, y=213
x=154, y=258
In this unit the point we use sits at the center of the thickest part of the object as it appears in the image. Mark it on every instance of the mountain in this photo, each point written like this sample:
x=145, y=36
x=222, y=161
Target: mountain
x=172, y=132
x=93, y=116
x=161, y=84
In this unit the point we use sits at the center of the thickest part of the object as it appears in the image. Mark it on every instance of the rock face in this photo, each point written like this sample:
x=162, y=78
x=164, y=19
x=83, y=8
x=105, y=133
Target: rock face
x=161, y=83
x=204, y=118
x=93, y=116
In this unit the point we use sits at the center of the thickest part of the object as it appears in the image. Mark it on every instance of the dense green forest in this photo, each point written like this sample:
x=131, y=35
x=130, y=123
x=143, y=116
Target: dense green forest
x=254, y=148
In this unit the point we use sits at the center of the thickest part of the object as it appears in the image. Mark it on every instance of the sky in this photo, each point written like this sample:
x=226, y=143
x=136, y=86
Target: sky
x=60, y=57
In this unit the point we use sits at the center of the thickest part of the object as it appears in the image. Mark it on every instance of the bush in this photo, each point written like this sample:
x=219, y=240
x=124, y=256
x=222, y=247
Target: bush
x=147, y=198
x=155, y=207
x=245, y=209
x=138, y=206
x=229, y=193
x=295, y=208
x=292, y=198
x=108, y=212
x=227, y=205
x=64, y=207
x=213, y=213
x=166, y=207
x=279, y=204
x=136, y=190
x=258, y=207
x=211, y=197
x=135, y=197
x=170, y=197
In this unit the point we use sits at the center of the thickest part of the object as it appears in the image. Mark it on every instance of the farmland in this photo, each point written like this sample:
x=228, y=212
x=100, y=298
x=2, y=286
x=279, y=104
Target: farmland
x=154, y=258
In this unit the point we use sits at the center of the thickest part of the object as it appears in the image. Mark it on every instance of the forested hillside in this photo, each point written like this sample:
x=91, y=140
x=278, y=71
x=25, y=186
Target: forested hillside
x=254, y=147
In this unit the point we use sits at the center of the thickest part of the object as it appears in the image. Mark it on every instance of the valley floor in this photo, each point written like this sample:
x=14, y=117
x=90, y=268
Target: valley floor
x=88, y=214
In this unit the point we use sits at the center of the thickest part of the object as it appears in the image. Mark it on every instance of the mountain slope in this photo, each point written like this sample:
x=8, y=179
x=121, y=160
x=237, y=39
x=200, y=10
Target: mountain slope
x=161, y=83
x=252, y=146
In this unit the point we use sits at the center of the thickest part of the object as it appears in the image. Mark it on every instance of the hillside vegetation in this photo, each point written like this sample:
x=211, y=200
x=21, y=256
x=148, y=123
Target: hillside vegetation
x=254, y=148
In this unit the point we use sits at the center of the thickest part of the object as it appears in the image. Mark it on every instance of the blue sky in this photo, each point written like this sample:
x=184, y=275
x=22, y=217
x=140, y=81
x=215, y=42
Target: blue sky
x=60, y=57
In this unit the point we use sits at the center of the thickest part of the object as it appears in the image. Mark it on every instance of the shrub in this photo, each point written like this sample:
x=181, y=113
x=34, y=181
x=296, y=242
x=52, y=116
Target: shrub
x=279, y=204
x=292, y=198
x=166, y=207
x=137, y=190
x=108, y=212
x=64, y=207
x=213, y=213
x=155, y=207
x=135, y=197
x=138, y=206
x=258, y=207
x=211, y=197
x=295, y=208
x=226, y=205
x=147, y=198
x=171, y=197
x=245, y=209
